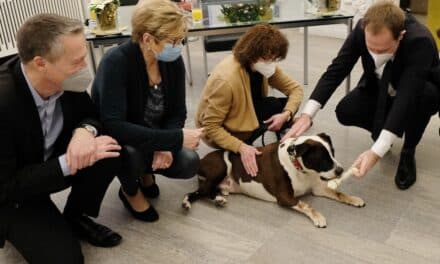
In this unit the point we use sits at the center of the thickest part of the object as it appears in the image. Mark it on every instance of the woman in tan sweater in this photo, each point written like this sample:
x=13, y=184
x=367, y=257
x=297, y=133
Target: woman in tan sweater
x=234, y=102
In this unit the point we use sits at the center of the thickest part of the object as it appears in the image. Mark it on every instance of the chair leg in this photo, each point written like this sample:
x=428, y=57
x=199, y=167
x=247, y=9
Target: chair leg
x=205, y=58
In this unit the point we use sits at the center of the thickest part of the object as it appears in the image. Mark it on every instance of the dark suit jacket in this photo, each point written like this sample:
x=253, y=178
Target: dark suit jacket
x=23, y=172
x=416, y=56
x=118, y=91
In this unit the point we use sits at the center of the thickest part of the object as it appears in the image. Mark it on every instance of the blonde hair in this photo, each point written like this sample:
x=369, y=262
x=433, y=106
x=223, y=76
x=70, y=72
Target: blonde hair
x=160, y=18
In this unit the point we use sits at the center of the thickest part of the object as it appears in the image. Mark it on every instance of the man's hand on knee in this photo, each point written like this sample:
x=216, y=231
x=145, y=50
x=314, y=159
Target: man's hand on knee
x=80, y=150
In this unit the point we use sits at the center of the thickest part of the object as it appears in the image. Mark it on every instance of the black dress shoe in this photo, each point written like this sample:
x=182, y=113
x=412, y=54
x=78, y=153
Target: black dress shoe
x=151, y=191
x=149, y=215
x=406, y=172
x=94, y=233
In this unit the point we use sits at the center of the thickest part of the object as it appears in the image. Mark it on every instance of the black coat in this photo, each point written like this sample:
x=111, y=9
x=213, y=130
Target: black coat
x=415, y=58
x=118, y=91
x=24, y=174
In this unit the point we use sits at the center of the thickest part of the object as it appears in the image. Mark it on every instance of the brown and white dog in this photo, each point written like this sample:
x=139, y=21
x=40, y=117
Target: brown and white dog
x=287, y=171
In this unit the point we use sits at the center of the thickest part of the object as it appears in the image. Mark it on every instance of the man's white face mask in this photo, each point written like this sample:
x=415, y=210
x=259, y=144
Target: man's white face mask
x=266, y=68
x=381, y=59
x=78, y=82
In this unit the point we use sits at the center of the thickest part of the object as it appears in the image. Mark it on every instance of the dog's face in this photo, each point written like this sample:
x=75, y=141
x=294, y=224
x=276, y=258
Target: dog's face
x=315, y=154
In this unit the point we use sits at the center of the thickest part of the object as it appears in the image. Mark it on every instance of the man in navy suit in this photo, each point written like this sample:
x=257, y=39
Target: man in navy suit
x=49, y=141
x=396, y=94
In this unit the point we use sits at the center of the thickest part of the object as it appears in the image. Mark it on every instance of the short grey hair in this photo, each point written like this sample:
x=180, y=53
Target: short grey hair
x=39, y=36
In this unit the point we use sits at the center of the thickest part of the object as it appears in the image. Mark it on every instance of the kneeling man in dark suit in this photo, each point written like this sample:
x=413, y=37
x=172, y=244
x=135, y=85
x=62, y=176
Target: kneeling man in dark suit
x=397, y=93
x=49, y=141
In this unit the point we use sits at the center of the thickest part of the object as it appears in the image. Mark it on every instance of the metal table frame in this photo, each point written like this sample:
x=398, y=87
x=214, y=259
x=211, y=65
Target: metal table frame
x=237, y=28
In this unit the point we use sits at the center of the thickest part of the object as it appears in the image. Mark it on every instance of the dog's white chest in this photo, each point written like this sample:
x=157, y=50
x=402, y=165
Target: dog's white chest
x=257, y=190
x=301, y=184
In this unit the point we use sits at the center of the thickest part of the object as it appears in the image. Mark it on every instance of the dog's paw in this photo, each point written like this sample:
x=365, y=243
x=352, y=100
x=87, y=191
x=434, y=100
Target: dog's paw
x=186, y=204
x=319, y=220
x=356, y=201
x=220, y=201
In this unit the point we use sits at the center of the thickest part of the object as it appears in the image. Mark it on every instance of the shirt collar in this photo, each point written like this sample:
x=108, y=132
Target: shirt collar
x=39, y=101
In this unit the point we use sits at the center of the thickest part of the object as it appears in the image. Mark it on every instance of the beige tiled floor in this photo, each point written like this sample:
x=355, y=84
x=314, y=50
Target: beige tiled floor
x=395, y=226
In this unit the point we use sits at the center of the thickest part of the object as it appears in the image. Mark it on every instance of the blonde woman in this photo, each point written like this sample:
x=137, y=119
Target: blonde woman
x=140, y=93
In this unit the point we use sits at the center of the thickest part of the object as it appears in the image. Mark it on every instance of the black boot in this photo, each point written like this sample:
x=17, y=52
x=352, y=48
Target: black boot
x=407, y=171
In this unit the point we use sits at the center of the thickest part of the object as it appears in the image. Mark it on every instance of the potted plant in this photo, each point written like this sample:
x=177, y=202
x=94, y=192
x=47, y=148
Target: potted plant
x=105, y=13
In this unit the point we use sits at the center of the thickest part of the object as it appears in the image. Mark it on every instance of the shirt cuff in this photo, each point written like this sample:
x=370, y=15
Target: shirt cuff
x=63, y=165
x=383, y=143
x=311, y=108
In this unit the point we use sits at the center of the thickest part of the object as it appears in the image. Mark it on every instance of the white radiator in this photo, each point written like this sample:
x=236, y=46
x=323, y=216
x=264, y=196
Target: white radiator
x=14, y=12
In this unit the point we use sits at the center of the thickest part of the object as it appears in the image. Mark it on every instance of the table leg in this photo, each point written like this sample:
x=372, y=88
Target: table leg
x=348, y=79
x=306, y=56
x=188, y=60
x=92, y=56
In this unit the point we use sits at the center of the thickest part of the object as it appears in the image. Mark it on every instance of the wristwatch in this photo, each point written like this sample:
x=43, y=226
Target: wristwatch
x=90, y=128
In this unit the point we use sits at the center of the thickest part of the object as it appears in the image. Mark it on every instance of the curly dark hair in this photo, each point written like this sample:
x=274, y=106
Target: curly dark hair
x=261, y=41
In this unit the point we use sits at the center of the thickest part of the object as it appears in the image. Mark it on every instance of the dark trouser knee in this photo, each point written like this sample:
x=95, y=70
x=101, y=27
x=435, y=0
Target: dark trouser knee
x=187, y=164
x=89, y=187
x=357, y=109
x=426, y=106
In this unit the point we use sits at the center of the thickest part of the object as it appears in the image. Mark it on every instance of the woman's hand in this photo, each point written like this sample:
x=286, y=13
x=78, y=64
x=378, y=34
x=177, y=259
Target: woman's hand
x=162, y=160
x=191, y=137
x=247, y=154
x=277, y=121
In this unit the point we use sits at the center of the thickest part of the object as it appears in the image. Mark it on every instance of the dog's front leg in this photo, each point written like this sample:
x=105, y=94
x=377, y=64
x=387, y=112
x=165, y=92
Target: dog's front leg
x=324, y=191
x=317, y=218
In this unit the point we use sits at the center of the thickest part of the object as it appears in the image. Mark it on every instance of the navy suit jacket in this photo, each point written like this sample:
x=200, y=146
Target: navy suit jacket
x=416, y=61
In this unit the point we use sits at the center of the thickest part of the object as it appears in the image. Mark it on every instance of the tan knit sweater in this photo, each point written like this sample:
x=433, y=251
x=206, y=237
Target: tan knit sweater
x=226, y=106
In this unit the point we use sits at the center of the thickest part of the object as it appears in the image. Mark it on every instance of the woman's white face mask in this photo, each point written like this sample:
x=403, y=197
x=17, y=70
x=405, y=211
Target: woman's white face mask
x=266, y=68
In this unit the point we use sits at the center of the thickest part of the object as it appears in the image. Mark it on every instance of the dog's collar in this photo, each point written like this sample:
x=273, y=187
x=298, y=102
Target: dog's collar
x=297, y=164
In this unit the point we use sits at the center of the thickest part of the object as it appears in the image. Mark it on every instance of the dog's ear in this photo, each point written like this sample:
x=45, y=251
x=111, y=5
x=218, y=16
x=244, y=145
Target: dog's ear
x=327, y=139
x=298, y=150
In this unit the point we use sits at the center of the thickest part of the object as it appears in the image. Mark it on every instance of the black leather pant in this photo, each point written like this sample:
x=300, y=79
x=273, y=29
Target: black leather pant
x=137, y=162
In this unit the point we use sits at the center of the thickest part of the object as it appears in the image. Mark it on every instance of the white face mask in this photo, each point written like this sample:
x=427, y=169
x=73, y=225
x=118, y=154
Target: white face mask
x=267, y=69
x=381, y=59
x=78, y=82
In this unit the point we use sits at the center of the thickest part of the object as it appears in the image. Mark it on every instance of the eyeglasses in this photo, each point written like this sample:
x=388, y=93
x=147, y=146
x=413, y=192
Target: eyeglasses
x=174, y=42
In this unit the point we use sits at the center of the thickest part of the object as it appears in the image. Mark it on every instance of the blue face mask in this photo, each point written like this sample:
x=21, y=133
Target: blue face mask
x=169, y=52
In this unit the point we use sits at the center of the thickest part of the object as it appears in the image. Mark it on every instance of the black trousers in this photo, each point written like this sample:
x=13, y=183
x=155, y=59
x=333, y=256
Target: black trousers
x=136, y=162
x=38, y=230
x=264, y=109
x=358, y=108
